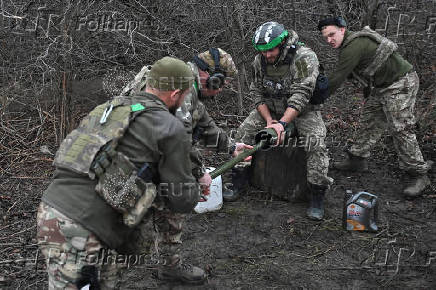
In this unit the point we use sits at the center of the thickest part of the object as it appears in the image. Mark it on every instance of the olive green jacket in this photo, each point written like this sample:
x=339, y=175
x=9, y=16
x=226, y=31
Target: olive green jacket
x=156, y=137
x=357, y=55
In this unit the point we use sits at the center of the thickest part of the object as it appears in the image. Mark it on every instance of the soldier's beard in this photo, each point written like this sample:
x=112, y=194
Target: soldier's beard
x=271, y=59
x=177, y=105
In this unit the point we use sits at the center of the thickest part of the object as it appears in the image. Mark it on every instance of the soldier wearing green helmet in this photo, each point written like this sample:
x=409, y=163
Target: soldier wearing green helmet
x=285, y=73
x=268, y=36
x=126, y=163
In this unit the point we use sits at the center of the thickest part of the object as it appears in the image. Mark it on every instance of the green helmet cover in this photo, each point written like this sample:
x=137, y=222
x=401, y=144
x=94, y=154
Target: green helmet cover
x=269, y=35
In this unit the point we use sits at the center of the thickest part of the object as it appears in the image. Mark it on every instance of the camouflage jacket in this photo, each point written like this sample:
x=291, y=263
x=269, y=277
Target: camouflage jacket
x=155, y=137
x=204, y=131
x=288, y=82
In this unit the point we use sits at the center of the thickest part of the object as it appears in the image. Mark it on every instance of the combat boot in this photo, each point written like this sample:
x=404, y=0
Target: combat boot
x=239, y=184
x=316, y=208
x=182, y=272
x=352, y=163
x=416, y=186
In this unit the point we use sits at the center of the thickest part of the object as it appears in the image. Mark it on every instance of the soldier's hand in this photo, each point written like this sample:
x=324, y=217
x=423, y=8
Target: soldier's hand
x=270, y=122
x=205, y=181
x=240, y=147
x=279, y=130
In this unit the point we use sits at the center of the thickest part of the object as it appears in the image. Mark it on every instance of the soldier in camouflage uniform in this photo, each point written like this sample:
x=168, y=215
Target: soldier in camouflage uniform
x=285, y=73
x=391, y=86
x=211, y=69
x=127, y=161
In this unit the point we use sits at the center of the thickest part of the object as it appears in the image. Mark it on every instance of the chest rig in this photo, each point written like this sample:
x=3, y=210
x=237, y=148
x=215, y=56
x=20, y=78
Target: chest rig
x=277, y=79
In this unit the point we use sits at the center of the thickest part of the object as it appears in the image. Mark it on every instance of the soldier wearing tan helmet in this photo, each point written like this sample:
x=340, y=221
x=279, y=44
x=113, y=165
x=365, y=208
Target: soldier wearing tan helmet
x=212, y=70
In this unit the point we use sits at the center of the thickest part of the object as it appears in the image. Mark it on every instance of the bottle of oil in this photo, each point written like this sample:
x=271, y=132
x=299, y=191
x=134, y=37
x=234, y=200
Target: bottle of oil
x=360, y=211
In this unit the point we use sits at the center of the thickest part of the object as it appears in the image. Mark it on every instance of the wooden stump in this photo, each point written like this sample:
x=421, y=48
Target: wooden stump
x=280, y=171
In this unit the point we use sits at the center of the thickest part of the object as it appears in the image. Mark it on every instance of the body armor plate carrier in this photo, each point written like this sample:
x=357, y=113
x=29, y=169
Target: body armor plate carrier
x=91, y=149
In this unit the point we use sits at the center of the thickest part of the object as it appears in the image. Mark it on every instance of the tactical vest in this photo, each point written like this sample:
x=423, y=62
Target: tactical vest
x=385, y=49
x=277, y=79
x=91, y=149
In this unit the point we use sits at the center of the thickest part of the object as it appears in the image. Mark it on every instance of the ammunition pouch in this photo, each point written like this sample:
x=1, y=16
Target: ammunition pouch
x=273, y=89
x=128, y=190
x=104, y=158
x=275, y=96
x=321, y=91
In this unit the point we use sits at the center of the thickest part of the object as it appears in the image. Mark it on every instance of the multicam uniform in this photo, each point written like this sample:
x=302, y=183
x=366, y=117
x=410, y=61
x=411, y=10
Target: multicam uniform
x=75, y=222
x=290, y=83
x=373, y=60
x=205, y=132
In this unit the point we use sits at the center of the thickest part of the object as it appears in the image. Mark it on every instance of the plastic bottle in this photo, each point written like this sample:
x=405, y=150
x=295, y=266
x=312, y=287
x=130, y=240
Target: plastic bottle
x=360, y=211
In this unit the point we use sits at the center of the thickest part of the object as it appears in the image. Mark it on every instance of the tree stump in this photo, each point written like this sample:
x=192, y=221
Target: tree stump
x=280, y=171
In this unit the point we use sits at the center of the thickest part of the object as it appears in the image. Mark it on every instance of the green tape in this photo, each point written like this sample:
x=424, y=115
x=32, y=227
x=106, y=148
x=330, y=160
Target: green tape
x=137, y=107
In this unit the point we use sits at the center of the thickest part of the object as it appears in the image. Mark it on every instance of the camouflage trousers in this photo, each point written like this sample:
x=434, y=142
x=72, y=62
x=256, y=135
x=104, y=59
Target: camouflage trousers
x=311, y=133
x=392, y=108
x=68, y=247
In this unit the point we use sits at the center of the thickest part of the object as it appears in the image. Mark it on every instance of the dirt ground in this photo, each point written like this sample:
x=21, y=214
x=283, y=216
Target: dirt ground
x=261, y=242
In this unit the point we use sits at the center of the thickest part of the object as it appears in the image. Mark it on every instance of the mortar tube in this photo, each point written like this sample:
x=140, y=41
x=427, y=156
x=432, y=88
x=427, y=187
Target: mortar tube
x=232, y=162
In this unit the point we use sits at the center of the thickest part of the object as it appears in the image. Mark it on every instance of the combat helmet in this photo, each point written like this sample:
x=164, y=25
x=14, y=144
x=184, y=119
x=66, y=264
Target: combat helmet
x=269, y=35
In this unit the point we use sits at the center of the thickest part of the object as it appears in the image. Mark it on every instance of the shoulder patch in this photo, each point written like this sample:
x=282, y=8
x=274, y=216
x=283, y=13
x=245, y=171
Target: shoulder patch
x=137, y=107
x=301, y=67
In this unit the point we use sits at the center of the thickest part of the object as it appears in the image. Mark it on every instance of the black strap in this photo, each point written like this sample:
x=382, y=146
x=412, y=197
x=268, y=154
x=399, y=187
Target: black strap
x=214, y=52
x=201, y=63
x=291, y=53
x=321, y=69
x=263, y=64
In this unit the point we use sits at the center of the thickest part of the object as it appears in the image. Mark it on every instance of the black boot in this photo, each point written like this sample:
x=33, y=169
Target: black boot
x=316, y=208
x=352, y=163
x=239, y=184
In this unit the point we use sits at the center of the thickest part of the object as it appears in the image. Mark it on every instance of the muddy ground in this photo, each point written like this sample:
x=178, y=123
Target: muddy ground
x=261, y=242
